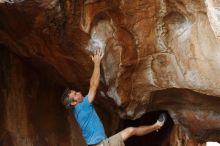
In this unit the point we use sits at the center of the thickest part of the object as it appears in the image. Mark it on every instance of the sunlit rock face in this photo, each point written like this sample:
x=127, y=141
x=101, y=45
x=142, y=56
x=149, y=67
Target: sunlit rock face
x=214, y=15
x=159, y=54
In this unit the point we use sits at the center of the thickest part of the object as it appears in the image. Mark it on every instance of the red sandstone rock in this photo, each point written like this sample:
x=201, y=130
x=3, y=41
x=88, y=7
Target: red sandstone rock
x=159, y=55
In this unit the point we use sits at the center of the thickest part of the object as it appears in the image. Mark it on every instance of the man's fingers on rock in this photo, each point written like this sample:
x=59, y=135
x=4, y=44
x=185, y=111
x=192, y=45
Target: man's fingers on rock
x=92, y=57
x=99, y=53
x=102, y=54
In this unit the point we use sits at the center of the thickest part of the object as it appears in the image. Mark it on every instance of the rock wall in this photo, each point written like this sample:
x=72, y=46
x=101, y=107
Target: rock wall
x=159, y=54
x=31, y=111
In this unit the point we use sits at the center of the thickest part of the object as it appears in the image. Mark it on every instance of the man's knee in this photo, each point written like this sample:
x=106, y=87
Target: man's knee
x=131, y=130
x=128, y=132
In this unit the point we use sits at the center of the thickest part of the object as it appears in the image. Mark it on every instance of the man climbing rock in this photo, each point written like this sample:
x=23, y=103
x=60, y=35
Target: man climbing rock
x=88, y=120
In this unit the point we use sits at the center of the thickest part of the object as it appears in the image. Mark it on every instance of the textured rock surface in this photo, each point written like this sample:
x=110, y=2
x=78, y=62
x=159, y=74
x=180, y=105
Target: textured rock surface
x=159, y=55
x=29, y=113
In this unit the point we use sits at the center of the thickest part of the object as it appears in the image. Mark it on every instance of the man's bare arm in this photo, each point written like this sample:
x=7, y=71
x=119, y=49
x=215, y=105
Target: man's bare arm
x=94, y=81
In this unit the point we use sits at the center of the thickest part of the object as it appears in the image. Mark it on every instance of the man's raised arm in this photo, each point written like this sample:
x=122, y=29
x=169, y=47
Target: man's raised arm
x=94, y=81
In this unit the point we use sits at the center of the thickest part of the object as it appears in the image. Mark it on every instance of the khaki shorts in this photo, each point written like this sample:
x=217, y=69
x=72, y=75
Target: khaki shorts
x=115, y=140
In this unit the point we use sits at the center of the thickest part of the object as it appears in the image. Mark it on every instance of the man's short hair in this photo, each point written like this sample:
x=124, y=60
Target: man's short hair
x=65, y=98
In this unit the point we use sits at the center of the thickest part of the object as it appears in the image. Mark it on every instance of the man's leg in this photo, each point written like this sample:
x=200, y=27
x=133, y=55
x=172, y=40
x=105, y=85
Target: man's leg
x=143, y=130
x=138, y=131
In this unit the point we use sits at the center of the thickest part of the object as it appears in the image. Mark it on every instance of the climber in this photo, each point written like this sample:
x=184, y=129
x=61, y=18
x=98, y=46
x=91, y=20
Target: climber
x=88, y=120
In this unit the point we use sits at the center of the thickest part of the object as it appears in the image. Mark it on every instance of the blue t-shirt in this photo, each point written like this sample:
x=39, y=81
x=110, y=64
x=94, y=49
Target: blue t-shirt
x=89, y=122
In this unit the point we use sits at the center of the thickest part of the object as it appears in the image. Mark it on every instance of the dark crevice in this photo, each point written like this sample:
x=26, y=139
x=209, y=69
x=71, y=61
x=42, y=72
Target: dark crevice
x=151, y=139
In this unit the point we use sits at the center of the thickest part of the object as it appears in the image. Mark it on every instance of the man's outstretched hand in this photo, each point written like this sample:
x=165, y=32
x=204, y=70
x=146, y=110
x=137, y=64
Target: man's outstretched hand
x=97, y=56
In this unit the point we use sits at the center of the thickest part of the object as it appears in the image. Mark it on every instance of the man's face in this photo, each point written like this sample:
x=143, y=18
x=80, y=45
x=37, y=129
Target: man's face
x=77, y=96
